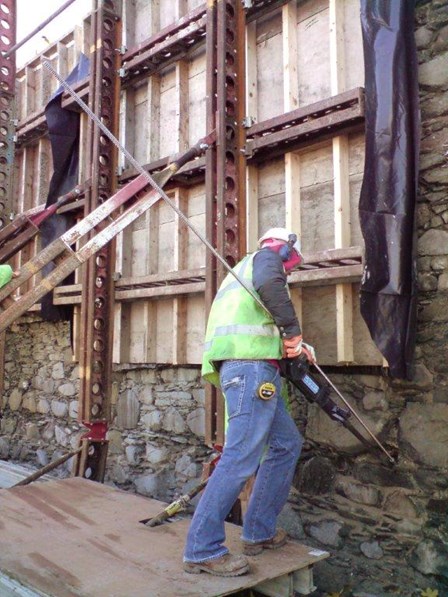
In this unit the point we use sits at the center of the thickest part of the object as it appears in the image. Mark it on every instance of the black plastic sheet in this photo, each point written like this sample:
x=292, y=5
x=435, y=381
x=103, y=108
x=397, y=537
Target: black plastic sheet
x=63, y=131
x=389, y=189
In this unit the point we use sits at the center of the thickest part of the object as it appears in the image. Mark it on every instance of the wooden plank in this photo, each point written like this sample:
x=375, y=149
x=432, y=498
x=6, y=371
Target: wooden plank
x=153, y=115
x=313, y=67
x=76, y=527
x=252, y=208
x=182, y=101
x=251, y=71
x=290, y=79
x=270, y=67
x=293, y=220
x=180, y=338
x=344, y=296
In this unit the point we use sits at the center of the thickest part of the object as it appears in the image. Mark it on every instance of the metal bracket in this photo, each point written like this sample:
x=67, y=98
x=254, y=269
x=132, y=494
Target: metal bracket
x=121, y=50
x=247, y=4
x=121, y=72
x=248, y=121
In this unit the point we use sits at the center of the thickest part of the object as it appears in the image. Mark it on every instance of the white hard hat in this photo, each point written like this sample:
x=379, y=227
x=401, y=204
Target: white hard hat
x=280, y=234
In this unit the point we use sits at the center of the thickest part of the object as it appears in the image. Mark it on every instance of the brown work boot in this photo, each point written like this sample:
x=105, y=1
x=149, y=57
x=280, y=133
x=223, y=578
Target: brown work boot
x=226, y=565
x=253, y=549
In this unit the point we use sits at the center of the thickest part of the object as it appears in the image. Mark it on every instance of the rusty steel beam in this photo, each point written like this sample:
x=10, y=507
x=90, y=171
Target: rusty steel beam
x=166, y=46
x=97, y=306
x=7, y=130
x=7, y=108
x=315, y=121
x=225, y=165
x=211, y=396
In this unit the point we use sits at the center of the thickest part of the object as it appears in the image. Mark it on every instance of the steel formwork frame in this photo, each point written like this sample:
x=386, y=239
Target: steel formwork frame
x=97, y=306
x=7, y=127
x=222, y=25
x=225, y=166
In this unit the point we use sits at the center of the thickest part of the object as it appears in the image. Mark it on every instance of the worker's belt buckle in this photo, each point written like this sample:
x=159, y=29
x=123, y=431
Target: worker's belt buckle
x=266, y=390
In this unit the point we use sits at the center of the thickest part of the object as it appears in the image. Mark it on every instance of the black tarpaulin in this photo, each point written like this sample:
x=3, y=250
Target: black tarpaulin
x=63, y=131
x=389, y=189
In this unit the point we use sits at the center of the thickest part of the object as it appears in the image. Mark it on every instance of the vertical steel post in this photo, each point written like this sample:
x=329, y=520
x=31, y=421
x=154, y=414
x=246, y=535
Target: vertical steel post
x=225, y=165
x=98, y=283
x=7, y=129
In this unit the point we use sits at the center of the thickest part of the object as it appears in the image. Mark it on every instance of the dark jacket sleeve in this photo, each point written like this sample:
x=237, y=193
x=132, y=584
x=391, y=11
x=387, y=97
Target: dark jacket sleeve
x=269, y=281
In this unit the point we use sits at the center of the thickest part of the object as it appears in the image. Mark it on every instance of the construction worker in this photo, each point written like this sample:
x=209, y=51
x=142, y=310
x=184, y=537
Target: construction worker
x=6, y=274
x=243, y=345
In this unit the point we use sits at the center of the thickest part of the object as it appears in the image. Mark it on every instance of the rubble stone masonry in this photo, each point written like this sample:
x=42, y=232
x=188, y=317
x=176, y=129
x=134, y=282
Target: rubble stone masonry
x=386, y=527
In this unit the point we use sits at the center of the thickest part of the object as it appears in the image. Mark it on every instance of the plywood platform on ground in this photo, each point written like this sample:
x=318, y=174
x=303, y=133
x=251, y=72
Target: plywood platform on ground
x=74, y=537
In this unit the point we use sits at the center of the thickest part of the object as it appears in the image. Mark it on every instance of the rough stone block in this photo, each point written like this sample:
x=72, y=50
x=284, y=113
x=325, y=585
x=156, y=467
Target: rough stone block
x=153, y=420
x=362, y=494
x=196, y=422
x=15, y=399
x=433, y=242
x=146, y=395
x=62, y=436
x=115, y=441
x=67, y=389
x=4, y=448
x=57, y=371
x=31, y=431
x=173, y=421
x=399, y=504
x=434, y=72
x=43, y=406
x=73, y=409
x=326, y=532
x=316, y=476
x=59, y=408
x=156, y=454
x=29, y=403
x=372, y=550
x=128, y=410
x=424, y=433
x=430, y=557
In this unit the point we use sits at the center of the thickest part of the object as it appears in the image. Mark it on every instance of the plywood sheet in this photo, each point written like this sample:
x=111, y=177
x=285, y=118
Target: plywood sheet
x=313, y=49
x=197, y=98
x=77, y=538
x=196, y=321
x=269, y=67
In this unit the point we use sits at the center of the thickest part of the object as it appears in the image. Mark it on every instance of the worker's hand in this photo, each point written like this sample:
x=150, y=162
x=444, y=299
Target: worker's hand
x=309, y=352
x=292, y=347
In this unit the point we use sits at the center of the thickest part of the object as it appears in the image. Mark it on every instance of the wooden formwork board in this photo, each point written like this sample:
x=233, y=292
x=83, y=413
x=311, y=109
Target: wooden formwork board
x=299, y=53
x=78, y=538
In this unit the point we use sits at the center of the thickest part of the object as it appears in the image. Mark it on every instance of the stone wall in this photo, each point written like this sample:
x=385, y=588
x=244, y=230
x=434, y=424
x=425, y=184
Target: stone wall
x=157, y=433
x=385, y=527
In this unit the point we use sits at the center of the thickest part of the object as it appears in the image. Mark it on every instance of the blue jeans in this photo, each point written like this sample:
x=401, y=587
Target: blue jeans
x=261, y=436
